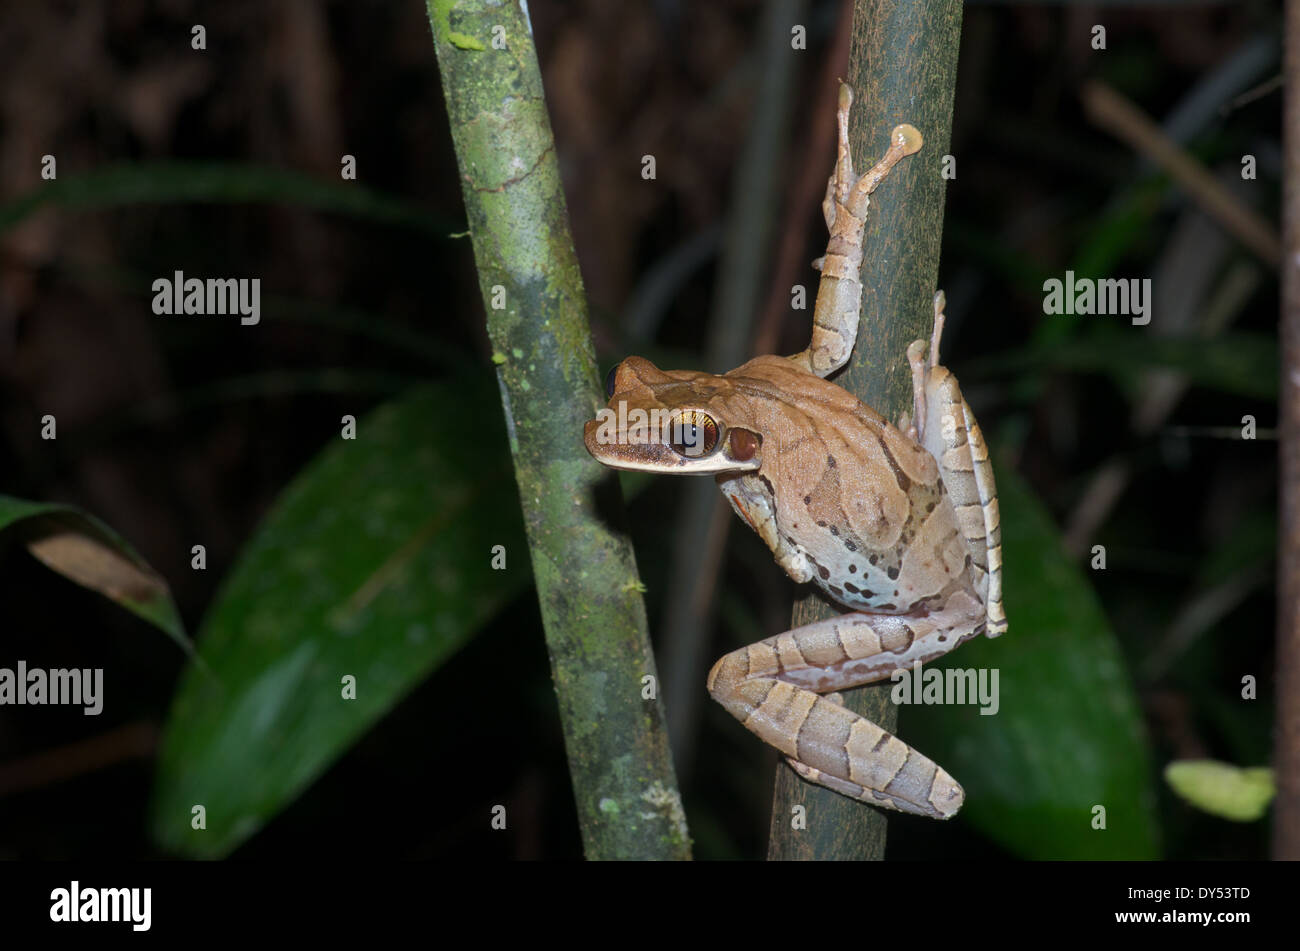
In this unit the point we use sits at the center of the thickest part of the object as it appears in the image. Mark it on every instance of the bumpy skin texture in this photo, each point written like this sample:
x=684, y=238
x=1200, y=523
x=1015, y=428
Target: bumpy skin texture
x=899, y=527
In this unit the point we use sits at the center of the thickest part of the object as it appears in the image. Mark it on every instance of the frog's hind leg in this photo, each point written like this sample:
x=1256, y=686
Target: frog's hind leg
x=944, y=424
x=773, y=688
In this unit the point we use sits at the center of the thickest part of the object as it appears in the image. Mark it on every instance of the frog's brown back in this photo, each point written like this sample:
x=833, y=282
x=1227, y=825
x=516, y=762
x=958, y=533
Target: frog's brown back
x=841, y=459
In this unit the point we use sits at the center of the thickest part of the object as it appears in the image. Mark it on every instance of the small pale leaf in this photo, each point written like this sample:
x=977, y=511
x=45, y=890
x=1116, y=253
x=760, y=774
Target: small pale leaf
x=1222, y=789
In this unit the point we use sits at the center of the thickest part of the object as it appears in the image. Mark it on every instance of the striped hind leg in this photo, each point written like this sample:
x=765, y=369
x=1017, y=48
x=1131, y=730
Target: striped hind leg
x=773, y=688
x=944, y=424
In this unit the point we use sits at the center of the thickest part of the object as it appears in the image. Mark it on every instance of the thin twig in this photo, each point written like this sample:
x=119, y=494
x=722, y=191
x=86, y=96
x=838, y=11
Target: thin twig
x=1250, y=95
x=1115, y=113
x=132, y=741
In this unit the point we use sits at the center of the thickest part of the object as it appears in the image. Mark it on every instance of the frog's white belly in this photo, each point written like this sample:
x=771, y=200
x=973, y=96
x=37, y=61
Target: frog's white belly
x=907, y=578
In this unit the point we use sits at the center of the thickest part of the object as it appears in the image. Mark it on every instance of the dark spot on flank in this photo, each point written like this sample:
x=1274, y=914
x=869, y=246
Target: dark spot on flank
x=830, y=462
x=942, y=638
x=929, y=507
x=853, y=569
x=849, y=545
x=823, y=571
x=892, y=572
x=821, y=524
x=835, y=531
x=872, y=559
x=851, y=587
x=835, y=591
x=807, y=500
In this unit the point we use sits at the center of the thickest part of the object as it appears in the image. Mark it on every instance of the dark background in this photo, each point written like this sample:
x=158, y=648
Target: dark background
x=179, y=431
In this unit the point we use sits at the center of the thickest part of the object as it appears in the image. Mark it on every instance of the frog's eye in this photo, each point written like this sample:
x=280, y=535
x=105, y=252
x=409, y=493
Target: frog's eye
x=610, y=377
x=743, y=444
x=693, y=434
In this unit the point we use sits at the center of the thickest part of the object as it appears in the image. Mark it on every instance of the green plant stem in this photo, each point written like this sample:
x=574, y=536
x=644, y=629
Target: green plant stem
x=587, y=583
x=903, y=68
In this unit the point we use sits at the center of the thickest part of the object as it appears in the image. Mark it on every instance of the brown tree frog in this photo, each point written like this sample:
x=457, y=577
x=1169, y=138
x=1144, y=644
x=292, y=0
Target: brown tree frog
x=898, y=524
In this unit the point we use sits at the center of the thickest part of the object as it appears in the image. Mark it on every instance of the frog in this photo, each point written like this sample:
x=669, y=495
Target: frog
x=897, y=523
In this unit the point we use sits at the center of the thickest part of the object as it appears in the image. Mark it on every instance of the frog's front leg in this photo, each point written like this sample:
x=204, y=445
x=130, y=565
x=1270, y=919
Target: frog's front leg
x=752, y=500
x=945, y=425
x=839, y=294
x=772, y=687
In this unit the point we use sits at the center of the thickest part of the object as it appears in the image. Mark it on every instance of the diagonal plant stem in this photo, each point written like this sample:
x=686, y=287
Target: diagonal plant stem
x=587, y=583
x=1109, y=109
x=903, y=68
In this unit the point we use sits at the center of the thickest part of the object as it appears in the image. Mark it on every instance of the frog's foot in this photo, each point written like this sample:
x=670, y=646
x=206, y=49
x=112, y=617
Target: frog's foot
x=939, y=301
x=945, y=793
x=904, y=140
x=921, y=369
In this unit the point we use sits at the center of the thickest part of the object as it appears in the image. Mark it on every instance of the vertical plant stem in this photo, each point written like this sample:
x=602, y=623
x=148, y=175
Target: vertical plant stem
x=903, y=68
x=587, y=583
x=1286, y=816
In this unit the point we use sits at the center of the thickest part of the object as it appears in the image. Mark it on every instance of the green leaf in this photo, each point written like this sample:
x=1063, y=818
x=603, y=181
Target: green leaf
x=85, y=550
x=1067, y=736
x=1222, y=789
x=216, y=182
x=374, y=564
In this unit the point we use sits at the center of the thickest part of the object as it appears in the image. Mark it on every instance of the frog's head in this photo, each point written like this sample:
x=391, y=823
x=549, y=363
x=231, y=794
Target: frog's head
x=678, y=421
